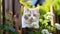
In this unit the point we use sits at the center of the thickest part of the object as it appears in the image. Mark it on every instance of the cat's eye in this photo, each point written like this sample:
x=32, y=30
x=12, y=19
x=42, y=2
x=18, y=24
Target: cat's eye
x=29, y=15
x=34, y=15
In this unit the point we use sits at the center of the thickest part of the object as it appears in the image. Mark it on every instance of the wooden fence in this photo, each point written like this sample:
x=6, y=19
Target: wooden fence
x=12, y=7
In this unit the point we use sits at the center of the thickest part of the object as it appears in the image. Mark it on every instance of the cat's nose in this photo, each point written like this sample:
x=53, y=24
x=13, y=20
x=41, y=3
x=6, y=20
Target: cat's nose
x=31, y=18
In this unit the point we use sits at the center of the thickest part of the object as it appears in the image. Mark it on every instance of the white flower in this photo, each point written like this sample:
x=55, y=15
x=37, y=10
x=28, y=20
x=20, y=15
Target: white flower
x=57, y=26
x=50, y=33
x=45, y=31
x=48, y=15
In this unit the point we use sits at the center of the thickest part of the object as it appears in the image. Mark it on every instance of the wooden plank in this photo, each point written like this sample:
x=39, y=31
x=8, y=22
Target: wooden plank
x=4, y=10
x=3, y=13
x=1, y=18
x=53, y=17
x=0, y=11
x=7, y=8
x=18, y=16
x=8, y=11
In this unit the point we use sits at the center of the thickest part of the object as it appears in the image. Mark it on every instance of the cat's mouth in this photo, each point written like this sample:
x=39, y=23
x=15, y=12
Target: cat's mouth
x=31, y=20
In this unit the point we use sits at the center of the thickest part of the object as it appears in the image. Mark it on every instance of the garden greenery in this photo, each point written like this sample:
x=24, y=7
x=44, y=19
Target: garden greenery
x=45, y=8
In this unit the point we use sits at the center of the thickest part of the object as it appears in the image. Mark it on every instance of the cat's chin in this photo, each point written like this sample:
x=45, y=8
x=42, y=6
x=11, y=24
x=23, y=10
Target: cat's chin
x=30, y=22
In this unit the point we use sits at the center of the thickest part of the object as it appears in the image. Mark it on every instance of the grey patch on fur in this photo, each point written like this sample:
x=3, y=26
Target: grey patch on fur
x=25, y=17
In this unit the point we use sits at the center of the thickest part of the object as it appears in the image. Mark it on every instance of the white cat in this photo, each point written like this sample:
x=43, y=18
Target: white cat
x=30, y=18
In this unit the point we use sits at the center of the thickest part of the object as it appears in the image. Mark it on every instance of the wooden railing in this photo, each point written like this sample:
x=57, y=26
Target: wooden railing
x=12, y=7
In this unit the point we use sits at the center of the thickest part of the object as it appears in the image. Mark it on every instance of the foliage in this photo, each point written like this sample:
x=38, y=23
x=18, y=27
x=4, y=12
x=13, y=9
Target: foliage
x=8, y=27
x=45, y=8
x=56, y=4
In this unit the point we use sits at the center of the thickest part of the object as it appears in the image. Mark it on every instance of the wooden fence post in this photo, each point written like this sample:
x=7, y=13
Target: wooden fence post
x=18, y=16
x=1, y=19
x=53, y=17
x=7, y=8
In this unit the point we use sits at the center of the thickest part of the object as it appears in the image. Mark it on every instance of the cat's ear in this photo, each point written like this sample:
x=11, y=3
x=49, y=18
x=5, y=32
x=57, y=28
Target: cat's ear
x=26, y=9
x=37, y=9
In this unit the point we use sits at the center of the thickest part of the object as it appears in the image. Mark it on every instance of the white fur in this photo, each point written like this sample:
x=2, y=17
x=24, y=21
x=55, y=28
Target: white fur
x=34, y=24
x=35, y=19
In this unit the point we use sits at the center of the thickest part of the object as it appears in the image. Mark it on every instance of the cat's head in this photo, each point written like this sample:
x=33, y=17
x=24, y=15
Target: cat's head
x=31, y=14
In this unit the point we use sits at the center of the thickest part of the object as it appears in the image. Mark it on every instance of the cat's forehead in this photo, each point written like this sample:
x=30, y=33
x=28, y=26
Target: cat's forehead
x=32, y=9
